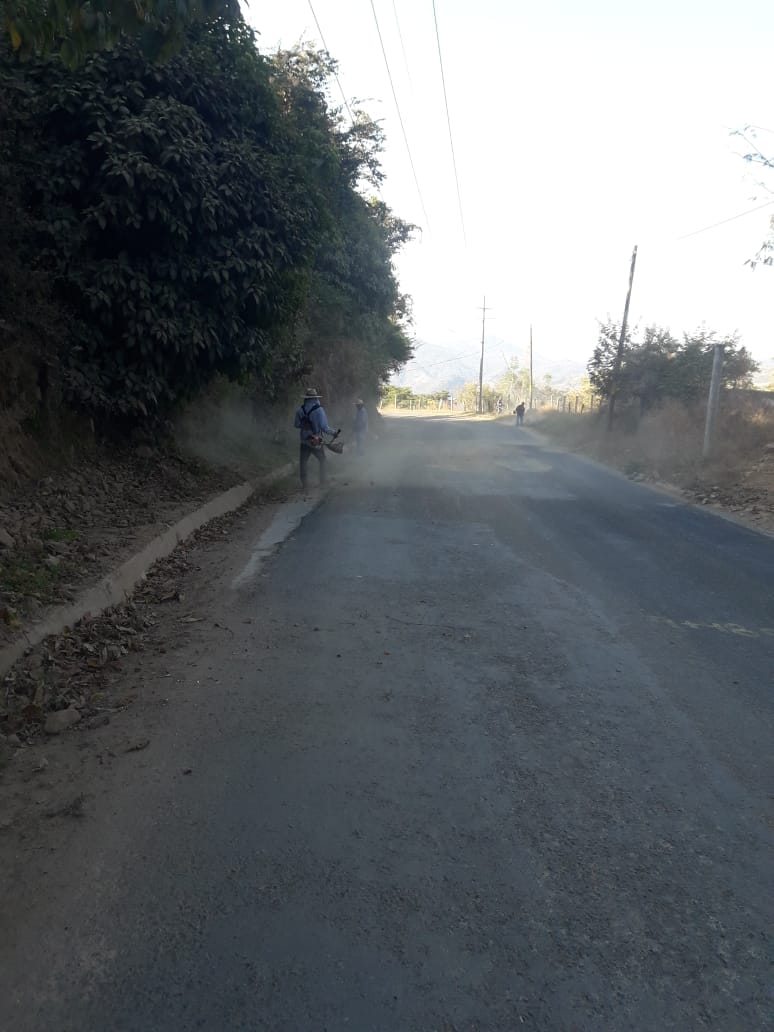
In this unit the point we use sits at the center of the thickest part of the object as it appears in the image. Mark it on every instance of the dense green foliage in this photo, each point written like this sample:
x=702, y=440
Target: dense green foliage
x=203, y=216
x=658, y=366
x=392, y=396
x=75, y=28
x=29, y=316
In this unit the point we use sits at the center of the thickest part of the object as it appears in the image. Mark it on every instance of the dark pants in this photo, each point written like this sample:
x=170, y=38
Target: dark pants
x=319, y=454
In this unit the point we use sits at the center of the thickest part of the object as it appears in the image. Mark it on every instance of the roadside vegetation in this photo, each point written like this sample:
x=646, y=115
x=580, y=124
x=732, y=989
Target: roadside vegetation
x=666, y=444
x=658, y=431
x=658, y=367
x=170, y=222
x=190, y=228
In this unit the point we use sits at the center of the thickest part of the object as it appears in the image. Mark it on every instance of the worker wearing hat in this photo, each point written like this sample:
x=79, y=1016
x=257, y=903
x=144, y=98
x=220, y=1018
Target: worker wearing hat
x=360, y=425
x=313, y=424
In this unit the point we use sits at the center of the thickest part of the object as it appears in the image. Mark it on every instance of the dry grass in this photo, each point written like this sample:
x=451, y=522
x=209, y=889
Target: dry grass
x=667, y=444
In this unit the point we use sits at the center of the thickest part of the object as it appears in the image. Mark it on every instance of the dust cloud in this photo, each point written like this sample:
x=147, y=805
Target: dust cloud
x=413, y=450
x=226, y=428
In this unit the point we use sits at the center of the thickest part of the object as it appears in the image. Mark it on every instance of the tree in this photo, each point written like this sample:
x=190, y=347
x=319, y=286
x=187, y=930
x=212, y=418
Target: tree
x=602, y=362
x=356, y=321
x=757, y=159
x=174, y=218
x=396, y=397
x=513, y=384
x=203, y=217
x=467, y=396
x=76, y=29
x=658, y=366
x=31, y=321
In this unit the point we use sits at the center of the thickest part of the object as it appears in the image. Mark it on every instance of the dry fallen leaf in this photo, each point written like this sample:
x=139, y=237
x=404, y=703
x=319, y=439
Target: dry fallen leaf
x=138, y=746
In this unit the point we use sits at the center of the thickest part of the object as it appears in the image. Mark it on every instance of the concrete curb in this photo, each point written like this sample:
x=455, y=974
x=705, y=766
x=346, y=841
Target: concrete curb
x=114, y=587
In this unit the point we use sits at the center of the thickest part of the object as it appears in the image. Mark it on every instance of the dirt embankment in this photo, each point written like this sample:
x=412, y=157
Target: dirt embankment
x=666, y=447
x=69, y=527
x=75, y=509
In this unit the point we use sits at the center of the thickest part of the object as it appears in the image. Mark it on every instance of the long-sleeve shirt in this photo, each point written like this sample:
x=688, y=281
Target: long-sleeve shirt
x=361, y=420
x=316, y=415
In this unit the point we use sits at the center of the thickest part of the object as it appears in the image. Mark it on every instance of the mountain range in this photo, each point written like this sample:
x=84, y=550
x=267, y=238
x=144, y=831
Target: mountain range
x=437, y=367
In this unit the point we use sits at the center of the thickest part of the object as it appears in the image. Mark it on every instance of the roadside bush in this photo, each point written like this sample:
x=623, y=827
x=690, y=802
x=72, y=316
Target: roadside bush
x=197, y=218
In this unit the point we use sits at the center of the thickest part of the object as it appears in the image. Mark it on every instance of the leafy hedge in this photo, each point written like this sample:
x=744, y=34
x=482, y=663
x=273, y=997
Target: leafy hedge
x=202, y=217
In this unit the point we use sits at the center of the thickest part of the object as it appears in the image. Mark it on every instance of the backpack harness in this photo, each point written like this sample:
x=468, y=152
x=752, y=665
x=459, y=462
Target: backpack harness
x=315, y=441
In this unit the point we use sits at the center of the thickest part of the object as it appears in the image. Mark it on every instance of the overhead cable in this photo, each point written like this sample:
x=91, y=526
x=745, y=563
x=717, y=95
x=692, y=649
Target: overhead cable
x=722, y=222
x=402, y=47
x=448, y=122
x=400, y=116
x=335, y=74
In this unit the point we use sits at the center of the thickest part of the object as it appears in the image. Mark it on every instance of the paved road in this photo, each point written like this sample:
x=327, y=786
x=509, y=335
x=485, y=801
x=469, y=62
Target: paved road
x=493, y=751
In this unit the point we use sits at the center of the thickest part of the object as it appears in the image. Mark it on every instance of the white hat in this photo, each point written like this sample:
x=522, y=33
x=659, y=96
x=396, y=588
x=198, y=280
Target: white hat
x=311, y=393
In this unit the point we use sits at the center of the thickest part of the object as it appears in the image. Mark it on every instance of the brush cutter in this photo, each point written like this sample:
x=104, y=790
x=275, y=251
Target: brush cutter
x=335, y=445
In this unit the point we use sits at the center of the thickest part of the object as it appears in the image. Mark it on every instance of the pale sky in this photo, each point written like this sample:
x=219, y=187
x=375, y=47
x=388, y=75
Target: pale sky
x=580, y=129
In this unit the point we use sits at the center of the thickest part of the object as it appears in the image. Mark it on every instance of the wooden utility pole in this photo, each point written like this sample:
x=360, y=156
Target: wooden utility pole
x=530, y=365
x=481, y=366
x=713, y=402
x=621, y=340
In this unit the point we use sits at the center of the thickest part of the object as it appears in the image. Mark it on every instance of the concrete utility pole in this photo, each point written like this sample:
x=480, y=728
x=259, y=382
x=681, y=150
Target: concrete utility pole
x=481, y=366
x=621, y=339
x=530, y=365
x=713, y=402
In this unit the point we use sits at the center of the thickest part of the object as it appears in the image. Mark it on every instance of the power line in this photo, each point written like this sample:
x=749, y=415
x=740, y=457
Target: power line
x=400, y=117
x=444, y=361
x=448, y=122
x=402, y=47
x=724, y=221
x=335, y=74
x=759, y=128
x=455, y=358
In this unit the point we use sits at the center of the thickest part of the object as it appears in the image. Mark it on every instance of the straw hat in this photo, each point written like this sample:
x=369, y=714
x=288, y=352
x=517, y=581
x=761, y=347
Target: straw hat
x=311, y=393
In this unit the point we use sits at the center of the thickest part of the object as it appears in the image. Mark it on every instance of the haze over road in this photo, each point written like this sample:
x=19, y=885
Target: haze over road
x=493, y=751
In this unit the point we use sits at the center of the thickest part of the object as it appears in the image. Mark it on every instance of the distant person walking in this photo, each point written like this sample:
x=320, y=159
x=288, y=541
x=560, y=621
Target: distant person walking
x=520, y=408
x=313, y=424
x=360, y=425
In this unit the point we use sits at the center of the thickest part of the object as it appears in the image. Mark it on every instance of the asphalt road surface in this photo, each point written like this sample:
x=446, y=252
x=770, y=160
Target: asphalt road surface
x=488, y=746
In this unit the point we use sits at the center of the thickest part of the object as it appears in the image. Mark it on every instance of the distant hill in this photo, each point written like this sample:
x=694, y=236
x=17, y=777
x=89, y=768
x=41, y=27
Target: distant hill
x=438, y=367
